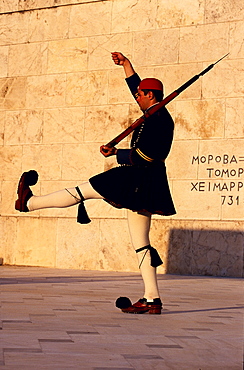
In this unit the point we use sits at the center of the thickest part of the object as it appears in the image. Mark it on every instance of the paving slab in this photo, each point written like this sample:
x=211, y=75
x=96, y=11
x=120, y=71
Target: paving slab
x=66, y=319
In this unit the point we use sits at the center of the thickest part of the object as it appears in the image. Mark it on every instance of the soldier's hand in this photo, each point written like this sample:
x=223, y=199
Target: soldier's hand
x=118, y=58
x=107, y=151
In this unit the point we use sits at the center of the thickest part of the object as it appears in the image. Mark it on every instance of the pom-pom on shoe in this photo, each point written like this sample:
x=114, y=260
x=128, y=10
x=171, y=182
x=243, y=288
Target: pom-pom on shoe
x=123, y=302
x=143, y=306
x=27, y=179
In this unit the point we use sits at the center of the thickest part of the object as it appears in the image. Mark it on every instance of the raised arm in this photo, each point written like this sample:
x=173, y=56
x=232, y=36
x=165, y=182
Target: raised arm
x=121, y=60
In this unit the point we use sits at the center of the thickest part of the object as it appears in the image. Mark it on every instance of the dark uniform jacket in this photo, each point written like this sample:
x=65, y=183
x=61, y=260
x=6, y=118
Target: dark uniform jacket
x=140, y=182
x=152, y=142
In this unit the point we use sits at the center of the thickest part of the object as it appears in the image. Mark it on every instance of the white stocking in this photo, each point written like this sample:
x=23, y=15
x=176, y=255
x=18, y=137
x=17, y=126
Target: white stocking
x=63, y=198
x=139, y=227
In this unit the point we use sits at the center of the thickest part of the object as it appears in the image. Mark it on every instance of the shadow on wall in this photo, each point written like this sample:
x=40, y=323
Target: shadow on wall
x=206, y=252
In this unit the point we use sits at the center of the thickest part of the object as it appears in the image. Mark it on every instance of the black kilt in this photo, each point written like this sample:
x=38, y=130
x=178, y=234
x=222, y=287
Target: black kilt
x=138, y=188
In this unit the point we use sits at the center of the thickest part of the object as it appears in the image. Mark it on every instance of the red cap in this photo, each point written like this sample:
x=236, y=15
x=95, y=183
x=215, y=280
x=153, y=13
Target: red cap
x=151, y=84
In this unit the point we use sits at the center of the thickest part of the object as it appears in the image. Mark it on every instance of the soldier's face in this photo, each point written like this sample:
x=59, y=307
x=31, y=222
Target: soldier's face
x=143, y=100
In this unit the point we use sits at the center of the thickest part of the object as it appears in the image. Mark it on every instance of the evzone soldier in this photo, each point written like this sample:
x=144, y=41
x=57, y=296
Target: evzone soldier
x=139, y=184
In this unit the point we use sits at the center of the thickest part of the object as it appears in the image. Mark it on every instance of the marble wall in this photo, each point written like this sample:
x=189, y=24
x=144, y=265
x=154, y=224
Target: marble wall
x=61, y=97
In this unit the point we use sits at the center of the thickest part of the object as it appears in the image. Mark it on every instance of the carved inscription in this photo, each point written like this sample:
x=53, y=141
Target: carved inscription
x=223, y=174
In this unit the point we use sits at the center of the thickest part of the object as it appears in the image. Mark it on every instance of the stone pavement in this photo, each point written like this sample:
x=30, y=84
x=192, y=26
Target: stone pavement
x=66, y=319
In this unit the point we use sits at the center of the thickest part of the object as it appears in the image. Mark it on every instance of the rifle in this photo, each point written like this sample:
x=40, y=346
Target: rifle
x=154, y=109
